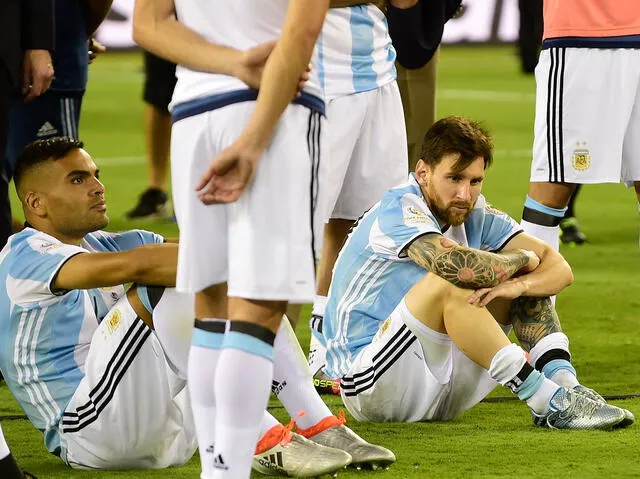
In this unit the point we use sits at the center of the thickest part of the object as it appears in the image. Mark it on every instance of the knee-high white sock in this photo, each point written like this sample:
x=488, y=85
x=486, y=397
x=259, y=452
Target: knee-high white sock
x=173, y=324
x=542, y=221
x=268, y=421
x=4, y=448
x=203, y=359
x=242, y=386
x=292, y=380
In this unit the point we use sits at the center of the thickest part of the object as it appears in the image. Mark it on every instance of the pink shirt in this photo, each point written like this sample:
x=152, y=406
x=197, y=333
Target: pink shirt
x=591, y=18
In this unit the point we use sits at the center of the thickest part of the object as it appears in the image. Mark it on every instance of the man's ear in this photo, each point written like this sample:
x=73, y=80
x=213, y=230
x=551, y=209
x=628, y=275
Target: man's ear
x=422, y=172
x=35, y=203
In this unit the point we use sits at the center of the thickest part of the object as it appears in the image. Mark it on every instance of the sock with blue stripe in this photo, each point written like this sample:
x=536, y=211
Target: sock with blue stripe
x=551, y=356
x=542, y=221
x=510, y=368
x=208, y=335
x=242, y=386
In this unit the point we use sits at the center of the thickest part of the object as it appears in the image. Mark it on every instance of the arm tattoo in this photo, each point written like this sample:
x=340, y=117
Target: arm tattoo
x=533, y=319
x=465, y=267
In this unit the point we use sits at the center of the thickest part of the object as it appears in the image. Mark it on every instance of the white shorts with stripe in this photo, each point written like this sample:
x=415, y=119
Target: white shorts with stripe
x=130, y=411
x=587, y=116
x=265, y=244
x=368, y=149
x=412, y=376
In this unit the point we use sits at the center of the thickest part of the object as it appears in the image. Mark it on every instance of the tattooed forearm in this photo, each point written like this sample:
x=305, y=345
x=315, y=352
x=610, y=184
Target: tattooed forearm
x=465, y=267
x=533, y=319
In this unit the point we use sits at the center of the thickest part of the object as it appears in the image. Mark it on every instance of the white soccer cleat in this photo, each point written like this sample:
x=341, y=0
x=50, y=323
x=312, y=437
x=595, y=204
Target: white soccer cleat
x=295, y=456
x=333, y=433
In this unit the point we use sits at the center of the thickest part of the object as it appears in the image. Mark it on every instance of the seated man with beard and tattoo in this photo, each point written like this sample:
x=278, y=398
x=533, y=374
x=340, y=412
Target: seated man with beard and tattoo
x=428, y=284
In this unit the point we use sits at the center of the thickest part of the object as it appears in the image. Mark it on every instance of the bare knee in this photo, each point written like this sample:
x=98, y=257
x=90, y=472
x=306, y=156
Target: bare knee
x=554, y=195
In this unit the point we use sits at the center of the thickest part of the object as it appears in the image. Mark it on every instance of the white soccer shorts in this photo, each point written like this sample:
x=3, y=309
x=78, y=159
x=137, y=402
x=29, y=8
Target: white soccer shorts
x=368, y=149
x=130, y=411
x=264, y=245
x=587, y=116
x=411, y=376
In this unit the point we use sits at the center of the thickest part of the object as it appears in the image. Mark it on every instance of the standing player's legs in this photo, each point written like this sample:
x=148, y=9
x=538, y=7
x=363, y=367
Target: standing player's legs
x=159, y=83
x=54, y=113
x=418, y=91
x=573, y=144
x=368, y=156
x=271, y=235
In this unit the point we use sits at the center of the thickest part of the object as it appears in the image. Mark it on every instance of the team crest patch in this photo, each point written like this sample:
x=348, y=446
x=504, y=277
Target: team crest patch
x=382, y=330
x=113, y=320
x=581, y=159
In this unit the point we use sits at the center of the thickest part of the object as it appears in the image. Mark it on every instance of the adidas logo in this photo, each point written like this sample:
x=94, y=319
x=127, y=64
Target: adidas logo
x=46, y=130
x=218, y=462
x=277, y=387
x=209, y=449
x=272, y=461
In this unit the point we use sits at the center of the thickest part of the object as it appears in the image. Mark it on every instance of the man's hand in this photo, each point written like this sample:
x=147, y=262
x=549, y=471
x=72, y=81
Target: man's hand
x=229, y=174
x=37, y=73
x=95, y=49
x=510, y=289
x=251, y=66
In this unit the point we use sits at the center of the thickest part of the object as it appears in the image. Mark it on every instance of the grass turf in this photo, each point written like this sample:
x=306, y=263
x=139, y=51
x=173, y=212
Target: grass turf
x=598, y=312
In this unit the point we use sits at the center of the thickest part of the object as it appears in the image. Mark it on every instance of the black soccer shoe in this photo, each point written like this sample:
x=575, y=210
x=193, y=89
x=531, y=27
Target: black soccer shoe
x=570, y=232
x=153, y=203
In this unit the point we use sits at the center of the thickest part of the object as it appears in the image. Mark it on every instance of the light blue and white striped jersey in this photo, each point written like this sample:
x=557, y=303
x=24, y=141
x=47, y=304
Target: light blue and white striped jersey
x=354, y=50
x=373, y=273
x=45, y=335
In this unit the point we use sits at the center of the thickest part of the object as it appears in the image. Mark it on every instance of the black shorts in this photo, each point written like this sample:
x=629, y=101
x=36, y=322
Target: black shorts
x=159, y=81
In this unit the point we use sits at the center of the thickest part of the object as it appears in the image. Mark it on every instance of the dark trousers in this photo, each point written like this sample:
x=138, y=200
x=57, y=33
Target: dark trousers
x=6, y=94
x=530, y=37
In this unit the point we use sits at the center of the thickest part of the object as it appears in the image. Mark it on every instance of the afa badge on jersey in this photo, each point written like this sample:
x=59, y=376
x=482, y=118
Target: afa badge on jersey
x=113, y=320
x=414, y=215
x=581, y=159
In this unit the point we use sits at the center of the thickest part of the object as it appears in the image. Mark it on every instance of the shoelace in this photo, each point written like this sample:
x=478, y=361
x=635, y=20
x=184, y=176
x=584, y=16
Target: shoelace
x=277, y=435
x=324, y=424
x=576, y=401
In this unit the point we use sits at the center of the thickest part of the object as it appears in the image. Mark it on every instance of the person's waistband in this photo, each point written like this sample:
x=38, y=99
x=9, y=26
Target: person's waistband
x=624, y=41
x=219, y=100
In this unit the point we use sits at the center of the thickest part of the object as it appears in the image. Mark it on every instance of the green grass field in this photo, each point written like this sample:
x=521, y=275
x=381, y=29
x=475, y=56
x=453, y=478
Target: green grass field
x=599, y=311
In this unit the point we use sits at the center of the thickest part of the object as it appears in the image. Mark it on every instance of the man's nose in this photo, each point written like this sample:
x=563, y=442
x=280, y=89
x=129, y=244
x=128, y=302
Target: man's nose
x=464, y=192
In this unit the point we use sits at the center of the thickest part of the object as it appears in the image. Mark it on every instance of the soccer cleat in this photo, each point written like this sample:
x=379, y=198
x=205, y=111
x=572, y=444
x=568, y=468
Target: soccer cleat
x=571, y=410
x=325, y=385
x=570, y=232
x=332, y=432
x=629, y=418
x=284, y=453
x=152, y=203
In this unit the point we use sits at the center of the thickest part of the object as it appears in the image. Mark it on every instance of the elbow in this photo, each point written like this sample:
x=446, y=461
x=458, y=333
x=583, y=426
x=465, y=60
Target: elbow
x=140, y=33
x=568, y=274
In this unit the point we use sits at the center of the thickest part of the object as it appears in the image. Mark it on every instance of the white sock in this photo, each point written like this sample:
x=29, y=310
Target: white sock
x=548, y=234
x=203, y=360
x=292, y=380
x=566, y=378
x=173, y=325
x=539, y=400
x=242, y=387
x=317, y=355
x=319, y=305
x=268, y=421
x=4, y=448
x=317, y=352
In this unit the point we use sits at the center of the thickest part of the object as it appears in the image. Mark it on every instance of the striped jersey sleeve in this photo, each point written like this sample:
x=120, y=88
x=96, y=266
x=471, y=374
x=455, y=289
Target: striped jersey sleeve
x=41, y=257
